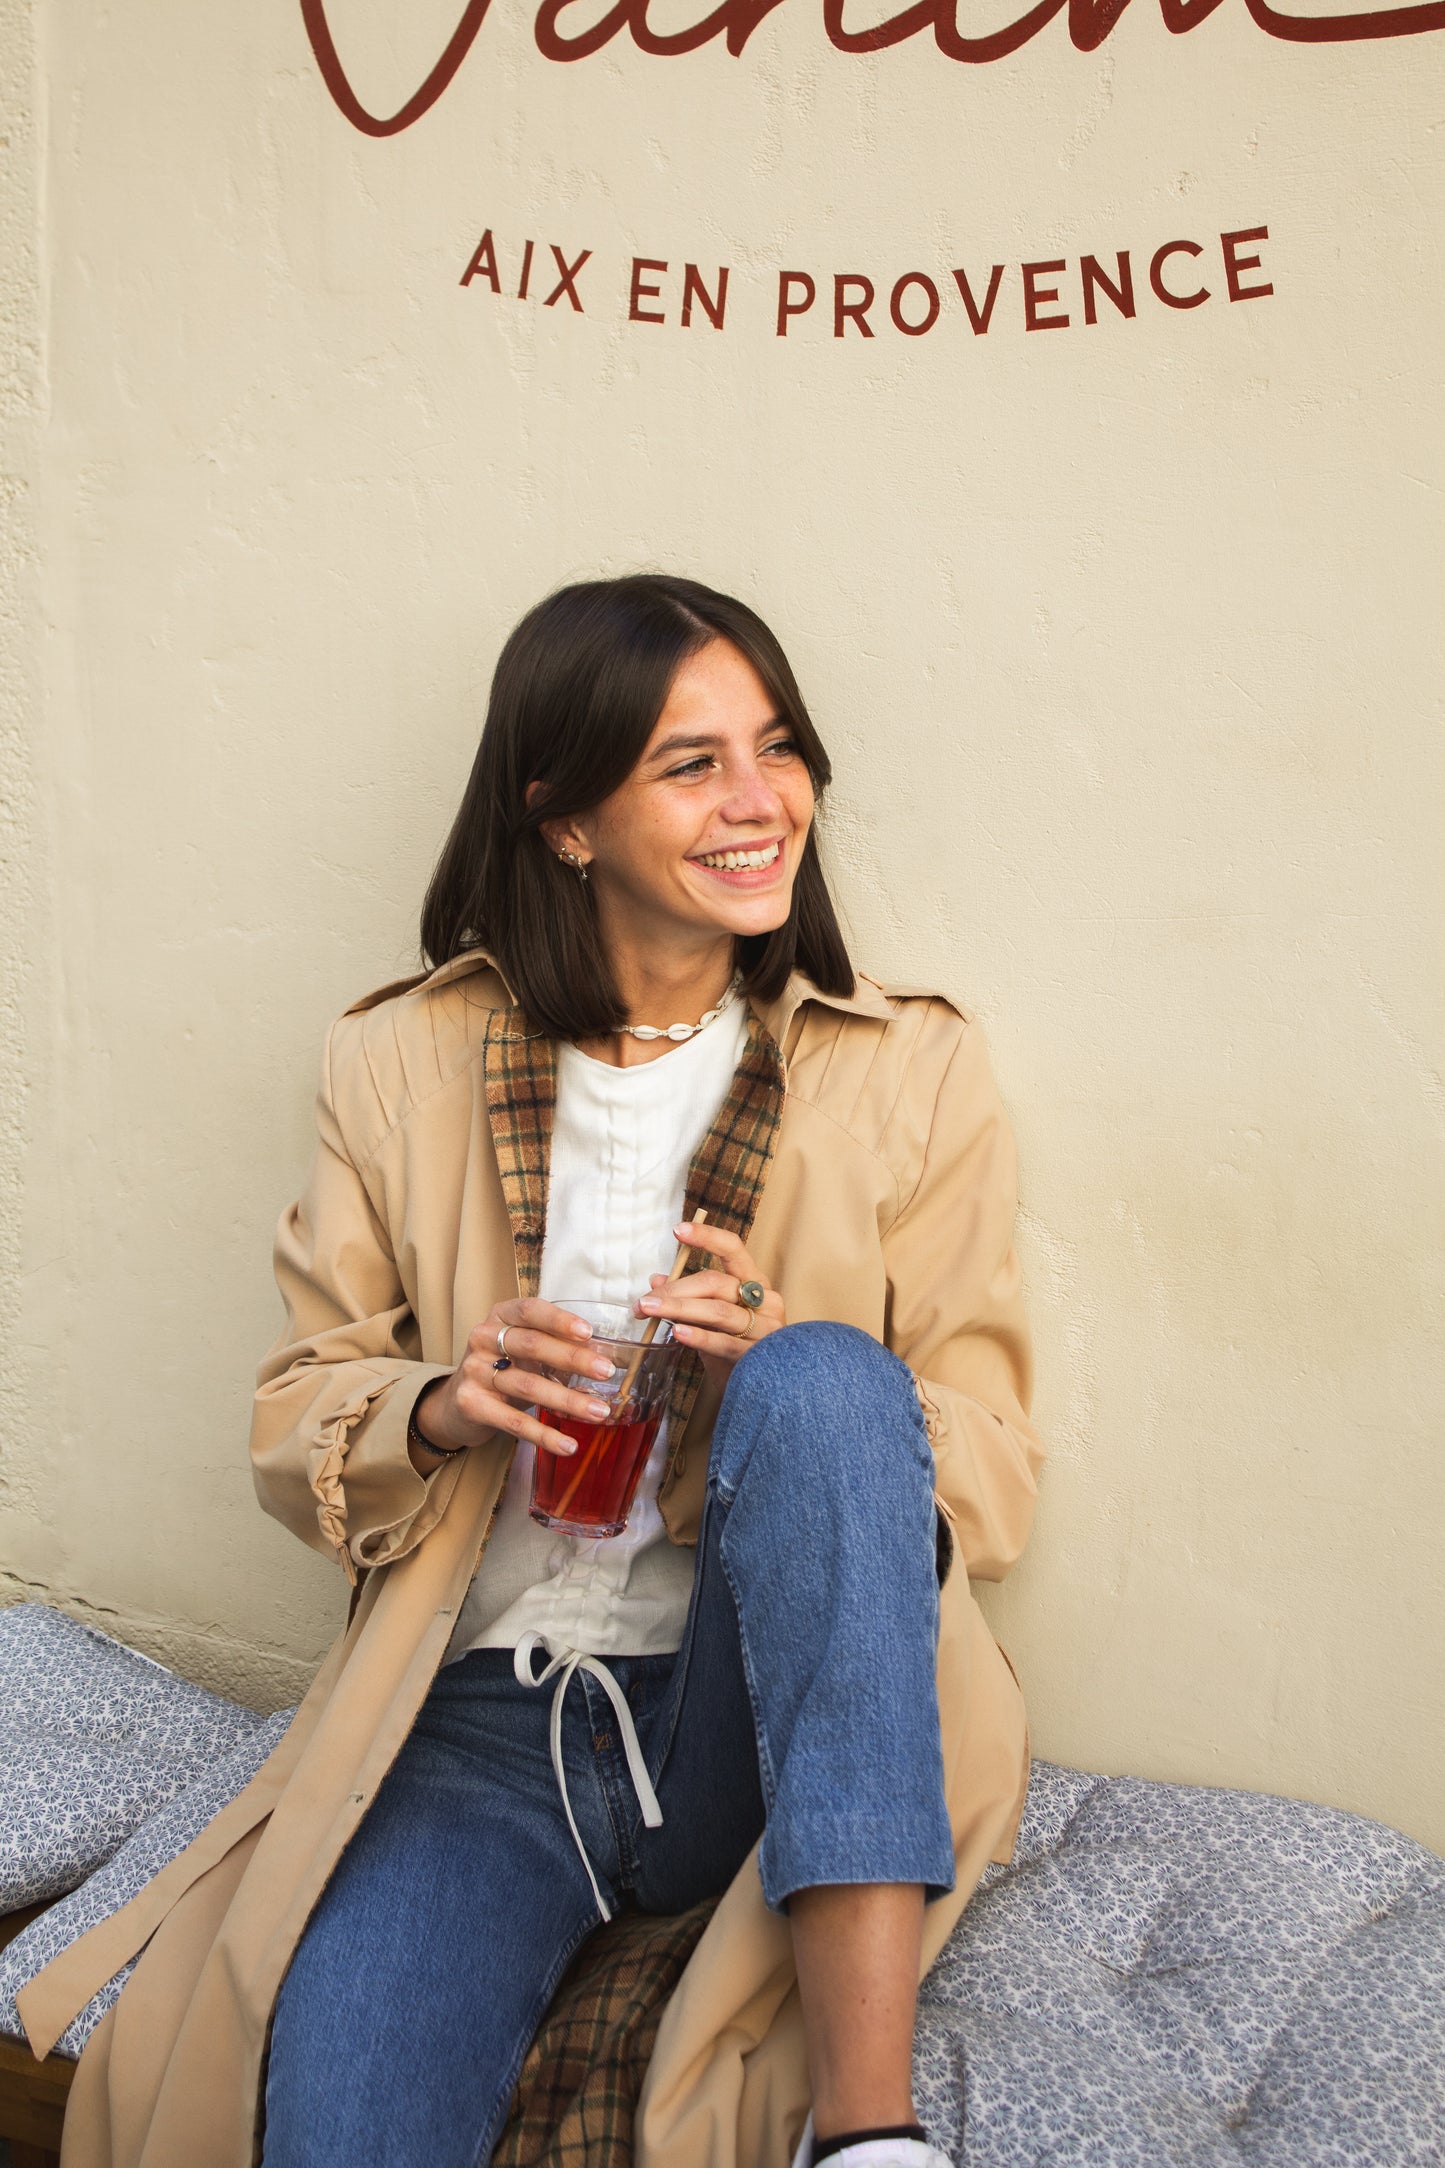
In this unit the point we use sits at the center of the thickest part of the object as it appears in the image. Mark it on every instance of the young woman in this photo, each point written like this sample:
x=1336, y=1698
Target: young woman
x=774, y=1684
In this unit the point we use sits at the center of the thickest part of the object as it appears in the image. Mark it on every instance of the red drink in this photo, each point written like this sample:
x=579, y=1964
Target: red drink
x=590, y=1492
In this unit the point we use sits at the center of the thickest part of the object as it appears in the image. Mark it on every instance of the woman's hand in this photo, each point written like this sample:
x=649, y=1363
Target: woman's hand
x=478, y=1398
x=705, y=1308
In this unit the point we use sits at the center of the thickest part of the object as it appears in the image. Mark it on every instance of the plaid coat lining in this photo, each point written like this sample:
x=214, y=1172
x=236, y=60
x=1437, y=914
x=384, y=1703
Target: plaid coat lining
x=577, y=2094
x=578, y=2090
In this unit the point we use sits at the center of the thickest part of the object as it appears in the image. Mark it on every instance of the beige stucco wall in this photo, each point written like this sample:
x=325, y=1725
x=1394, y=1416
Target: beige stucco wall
x=1125, y=639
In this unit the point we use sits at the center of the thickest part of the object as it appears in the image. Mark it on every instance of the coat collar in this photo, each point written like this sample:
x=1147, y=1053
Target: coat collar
x=866, y=999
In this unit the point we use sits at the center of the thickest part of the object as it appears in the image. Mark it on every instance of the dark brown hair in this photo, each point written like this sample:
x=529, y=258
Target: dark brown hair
x=575, y=697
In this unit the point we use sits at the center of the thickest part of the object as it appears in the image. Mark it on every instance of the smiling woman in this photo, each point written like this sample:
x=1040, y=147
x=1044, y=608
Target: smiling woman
x=641, y=732
x=640, y=1095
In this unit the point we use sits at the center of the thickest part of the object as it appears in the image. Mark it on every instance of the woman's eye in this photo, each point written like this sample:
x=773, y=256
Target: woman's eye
x=704, y=760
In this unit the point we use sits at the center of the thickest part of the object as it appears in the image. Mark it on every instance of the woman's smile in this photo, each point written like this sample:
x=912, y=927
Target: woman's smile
x=744, y=865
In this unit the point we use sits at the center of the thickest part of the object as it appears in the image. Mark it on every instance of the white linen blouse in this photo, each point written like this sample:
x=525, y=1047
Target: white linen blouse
x=622, y=1143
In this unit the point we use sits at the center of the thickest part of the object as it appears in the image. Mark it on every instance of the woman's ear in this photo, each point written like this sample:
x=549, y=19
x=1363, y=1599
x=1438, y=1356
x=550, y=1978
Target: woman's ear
x=559, y=835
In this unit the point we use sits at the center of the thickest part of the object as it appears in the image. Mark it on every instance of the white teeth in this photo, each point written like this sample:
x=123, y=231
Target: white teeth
x=730, y=861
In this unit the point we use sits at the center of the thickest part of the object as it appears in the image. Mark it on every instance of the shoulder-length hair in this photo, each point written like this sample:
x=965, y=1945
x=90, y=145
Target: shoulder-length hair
x=577, y=692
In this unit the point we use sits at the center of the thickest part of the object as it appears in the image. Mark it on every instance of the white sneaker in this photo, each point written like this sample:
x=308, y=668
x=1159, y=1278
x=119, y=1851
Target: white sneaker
x=877, y=2153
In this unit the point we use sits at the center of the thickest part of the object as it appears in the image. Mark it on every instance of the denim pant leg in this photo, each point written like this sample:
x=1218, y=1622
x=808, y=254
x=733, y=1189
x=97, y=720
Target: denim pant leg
x=806, y=1684
x=435, y=1949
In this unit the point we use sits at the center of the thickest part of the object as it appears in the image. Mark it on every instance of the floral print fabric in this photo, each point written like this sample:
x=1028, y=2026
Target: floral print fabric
x=1169, y=1973
x=1163, y=1973
x=93, y=1739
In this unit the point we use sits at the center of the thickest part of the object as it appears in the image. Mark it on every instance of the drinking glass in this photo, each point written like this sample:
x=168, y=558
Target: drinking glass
x=590, y=1492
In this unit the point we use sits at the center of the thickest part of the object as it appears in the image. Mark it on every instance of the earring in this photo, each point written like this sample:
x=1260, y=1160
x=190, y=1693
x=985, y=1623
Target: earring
x=570, y=858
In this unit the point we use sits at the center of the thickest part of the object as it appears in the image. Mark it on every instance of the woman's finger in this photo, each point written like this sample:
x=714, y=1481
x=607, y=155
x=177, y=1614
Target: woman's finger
x=727, y=1346
x=491, y=1411
x=721, y=1313
x=528, y=1313
x=548, y=1440
x=528, y=1345
x=527, y=1388
x=717, y=1242
x=699, y=1286
x=519, y=1423
x=548, y=1317
x=563, y=1399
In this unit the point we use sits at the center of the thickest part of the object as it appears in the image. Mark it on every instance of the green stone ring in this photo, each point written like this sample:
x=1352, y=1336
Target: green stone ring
x=751, y=1293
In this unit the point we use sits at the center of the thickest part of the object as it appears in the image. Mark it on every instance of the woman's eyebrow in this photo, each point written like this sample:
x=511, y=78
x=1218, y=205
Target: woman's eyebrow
x=689, y=741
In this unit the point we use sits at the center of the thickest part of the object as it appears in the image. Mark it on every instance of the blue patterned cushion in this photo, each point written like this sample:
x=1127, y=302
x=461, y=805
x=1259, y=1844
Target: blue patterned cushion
x=155, y=1844
x=1169, y=1974
x=93, y=1738
x=1164, y=1976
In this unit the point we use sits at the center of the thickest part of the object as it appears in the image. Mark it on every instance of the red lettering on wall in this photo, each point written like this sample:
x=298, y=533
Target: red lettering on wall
x=484, y=264
x=1094, y=275
x=916, y=301
x=568, y=272
x=856, y=311
x=555, y=47
x=1156, y=274
x=333, y=75
x=933, y=304
x=1346, y=29
x=735, y=21
x=639, y=292
x=1234, y=263
x=693, y=289
x=1090, y=23
x=787, y=307
x=1035, y=296
x=977, y=316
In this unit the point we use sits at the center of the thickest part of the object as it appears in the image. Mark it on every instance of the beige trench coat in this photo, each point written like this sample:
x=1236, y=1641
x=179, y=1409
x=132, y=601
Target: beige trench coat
x=888, y=1203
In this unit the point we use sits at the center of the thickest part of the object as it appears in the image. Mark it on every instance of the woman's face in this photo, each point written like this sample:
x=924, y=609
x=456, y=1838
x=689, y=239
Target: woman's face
x=721, y=775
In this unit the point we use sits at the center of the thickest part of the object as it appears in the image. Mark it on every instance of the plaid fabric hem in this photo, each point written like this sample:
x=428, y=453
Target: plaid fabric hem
x=520, y=1073
x=577, y=2095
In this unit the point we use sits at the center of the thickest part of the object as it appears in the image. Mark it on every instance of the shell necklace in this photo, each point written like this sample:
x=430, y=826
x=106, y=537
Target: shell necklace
x=688, y=1031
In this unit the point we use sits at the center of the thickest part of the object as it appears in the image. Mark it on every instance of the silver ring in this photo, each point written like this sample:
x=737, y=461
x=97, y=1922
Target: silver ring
x=502, y=1331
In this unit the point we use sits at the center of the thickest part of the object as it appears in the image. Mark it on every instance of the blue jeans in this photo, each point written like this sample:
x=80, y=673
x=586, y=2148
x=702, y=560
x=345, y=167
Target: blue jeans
x=801, y=1707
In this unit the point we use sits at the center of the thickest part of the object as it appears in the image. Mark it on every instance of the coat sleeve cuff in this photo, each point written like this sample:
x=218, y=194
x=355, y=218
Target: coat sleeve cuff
x=372, y=1505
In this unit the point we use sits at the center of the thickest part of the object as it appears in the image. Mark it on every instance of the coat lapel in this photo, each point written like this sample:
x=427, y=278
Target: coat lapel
x=727, y=1175
x=520, y=1070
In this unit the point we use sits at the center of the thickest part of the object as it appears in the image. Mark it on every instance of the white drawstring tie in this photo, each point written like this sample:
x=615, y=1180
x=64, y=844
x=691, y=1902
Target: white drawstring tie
x=568, y=1662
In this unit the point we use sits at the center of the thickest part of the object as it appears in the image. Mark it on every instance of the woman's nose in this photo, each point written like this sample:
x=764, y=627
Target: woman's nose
x=752, y=796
